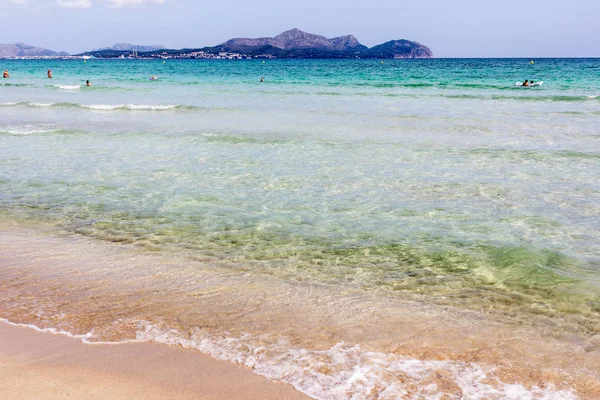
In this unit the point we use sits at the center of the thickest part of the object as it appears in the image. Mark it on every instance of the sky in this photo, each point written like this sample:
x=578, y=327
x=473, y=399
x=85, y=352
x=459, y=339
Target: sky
x=467, y=28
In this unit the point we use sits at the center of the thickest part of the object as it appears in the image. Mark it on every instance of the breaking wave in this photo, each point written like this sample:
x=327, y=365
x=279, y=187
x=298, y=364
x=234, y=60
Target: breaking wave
x=340, y=372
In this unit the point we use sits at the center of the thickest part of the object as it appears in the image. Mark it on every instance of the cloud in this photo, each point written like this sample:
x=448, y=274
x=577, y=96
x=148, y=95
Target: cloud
x=30, y=4
x=86, y=3
x=74, y=3
x=131, y=3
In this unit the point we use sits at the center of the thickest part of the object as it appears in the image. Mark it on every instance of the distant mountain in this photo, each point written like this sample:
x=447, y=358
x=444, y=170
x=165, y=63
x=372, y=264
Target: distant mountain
x=294, y=43
x=130, y=47
x=400, y=49
x=289, y=44
x=298, y=44
x=25, y=50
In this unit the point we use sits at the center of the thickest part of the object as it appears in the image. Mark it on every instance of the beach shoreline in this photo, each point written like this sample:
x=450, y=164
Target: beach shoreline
x=37, y=365
x=451, y=350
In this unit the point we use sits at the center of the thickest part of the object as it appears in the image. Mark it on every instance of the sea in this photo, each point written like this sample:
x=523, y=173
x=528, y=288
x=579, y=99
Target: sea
x=358, y=229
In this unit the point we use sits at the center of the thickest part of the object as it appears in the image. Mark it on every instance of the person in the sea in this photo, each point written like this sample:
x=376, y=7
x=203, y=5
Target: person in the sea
x=5, y=75
x=49, y=74
x=262, y=79
x=87, y=83
x=526, y=83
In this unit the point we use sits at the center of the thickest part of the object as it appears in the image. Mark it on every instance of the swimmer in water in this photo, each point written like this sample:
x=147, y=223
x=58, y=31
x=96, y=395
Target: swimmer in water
x=87, y=83
x=5, y=75
x=49, y=74
x=526, y=83
x=262, y=79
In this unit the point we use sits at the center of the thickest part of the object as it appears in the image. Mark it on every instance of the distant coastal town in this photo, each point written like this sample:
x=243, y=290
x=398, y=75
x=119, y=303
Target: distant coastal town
x=223, y=55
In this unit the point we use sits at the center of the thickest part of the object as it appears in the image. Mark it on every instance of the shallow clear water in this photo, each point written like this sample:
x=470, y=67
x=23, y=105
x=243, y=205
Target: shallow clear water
x=435, y=178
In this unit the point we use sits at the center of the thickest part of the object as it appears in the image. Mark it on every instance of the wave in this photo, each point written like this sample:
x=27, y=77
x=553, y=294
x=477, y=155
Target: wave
x=340, y=372
x=106, y=107
x=131, y=107
x=553, y=98
x=211, y=137
x=578, y=154
x=441, y=85
x=94, y=88
x=346, y=371
x=27, y=130
x=530, y=96
x=68, y=87
x=86, y=338
x=53, y=331
x=63, y=87
x=40, y=104
x=546, y=156
x=14, y=84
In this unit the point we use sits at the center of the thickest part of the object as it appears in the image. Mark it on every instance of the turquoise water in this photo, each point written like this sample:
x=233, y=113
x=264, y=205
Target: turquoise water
x=438, y=156
x=431, y=177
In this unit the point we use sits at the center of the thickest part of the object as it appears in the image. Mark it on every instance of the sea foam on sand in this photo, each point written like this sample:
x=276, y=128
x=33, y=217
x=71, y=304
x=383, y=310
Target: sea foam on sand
x=36, y=365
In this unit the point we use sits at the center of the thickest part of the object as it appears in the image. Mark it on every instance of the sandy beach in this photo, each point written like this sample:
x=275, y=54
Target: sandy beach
x=114, y=293
x=37, y=365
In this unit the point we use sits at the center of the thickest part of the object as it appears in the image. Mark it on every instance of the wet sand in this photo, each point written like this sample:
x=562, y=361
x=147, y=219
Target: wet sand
x=86, y=286
x=36, y=365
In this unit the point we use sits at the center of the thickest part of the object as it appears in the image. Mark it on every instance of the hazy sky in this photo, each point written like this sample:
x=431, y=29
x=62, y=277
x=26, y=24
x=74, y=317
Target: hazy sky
x=467, y=28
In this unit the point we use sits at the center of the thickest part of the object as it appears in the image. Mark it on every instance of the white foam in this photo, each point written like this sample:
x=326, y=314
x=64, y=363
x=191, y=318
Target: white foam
x=349, y=373
x=8, y=104
x=101, y=107
x=68, y=87
x=40, y=104
x=48, y=330
x=84, y=338
x=128, y=107
x=591, y=96
x=26, y=130
x=150, y=107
